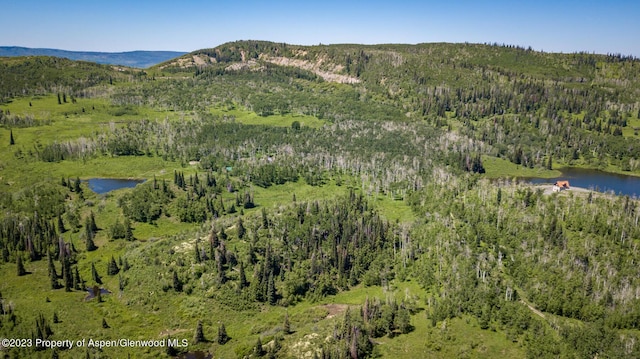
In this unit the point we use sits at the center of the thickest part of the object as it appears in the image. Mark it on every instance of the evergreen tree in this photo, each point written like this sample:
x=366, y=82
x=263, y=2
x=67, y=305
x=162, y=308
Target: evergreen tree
x=11, y=139
x=241, y=230
x=112, y=268
x=92, y=222
x=59, y=99
x=67, y=275
x=104, y=324
x=550, y=163
x=222, y=337
x=271, y=290
x=53, y=275
x=213, y=240
x=177, y=284
x=20, y=266
x=78, y=283
x=76, y=185
x=243, y=278
x=196, y=253
x=90, y=244
x=125, y=265
x=265, y=220
x=128, y=232
x=43, y=330
x=258, y=350
x=171, y=350
x=222, y=277
x=198, y=337
x=94, y=274
x=55, y=317
x=61, y=228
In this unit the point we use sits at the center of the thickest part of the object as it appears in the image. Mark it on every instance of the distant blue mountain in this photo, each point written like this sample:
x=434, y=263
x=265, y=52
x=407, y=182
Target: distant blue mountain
x=138, y=59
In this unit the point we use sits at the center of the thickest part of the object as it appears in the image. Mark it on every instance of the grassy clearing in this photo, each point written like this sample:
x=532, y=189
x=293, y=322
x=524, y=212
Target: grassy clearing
x=392, y=210
x=455, y=338
x=498, y=167
x=251, y=118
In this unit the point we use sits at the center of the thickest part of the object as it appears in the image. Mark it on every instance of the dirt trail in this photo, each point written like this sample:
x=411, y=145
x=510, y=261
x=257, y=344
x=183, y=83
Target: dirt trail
x=533, y=309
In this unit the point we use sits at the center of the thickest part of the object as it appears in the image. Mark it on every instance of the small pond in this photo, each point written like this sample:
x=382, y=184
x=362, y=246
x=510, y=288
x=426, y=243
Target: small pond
x=105, y=185
x=595, y=180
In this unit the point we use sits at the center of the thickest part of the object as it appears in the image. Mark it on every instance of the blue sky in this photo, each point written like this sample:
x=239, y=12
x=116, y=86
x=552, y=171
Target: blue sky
x=553, y=26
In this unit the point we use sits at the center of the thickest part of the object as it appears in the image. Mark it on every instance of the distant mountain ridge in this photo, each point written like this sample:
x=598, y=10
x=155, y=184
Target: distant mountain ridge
x=137, y=59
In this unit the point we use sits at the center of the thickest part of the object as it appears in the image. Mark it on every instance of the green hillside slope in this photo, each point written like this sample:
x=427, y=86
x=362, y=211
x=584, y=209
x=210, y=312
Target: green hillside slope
x=331, y=201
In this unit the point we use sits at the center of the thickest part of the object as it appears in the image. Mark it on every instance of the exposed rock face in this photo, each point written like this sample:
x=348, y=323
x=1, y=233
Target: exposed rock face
x=328, y=71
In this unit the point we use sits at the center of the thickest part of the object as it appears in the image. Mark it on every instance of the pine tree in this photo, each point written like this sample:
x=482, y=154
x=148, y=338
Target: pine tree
x=20, y=266
x=78, y=283
x=55, y=317
x=170, y=349
x=112, y=268
x=67, y=276
x=128, y=232
x=197, y=256
x=271, y=290
x=94, y=274
x=177, y=284
x=258, y=351
x=198, y=337
x=61, y=228
x=241, y=230
x=76, y=185
x=90, y=244
x=213, y=240
x=243, y=278
x=222, y=337
x=92, y=222
x=104, y=324
x=12, y=141
x=53, y=275
x=125, y=265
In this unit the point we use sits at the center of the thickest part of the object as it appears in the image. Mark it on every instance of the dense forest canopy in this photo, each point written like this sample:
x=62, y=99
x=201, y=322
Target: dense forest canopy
x=328, y=201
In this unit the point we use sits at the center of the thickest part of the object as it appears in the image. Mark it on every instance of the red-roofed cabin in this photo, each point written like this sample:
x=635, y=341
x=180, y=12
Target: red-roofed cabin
x=560, y=185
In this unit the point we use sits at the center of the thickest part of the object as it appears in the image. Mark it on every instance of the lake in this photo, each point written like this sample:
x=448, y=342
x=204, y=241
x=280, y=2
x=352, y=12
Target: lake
x=595, y=180
x=105, y=185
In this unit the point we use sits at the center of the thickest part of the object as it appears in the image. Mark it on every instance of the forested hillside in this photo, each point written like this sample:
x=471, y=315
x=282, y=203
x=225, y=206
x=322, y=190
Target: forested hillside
x=331, y=201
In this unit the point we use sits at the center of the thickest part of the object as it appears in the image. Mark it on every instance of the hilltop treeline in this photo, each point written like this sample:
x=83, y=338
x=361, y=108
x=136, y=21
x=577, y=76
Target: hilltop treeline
x=41, y=75
x=525, y=105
